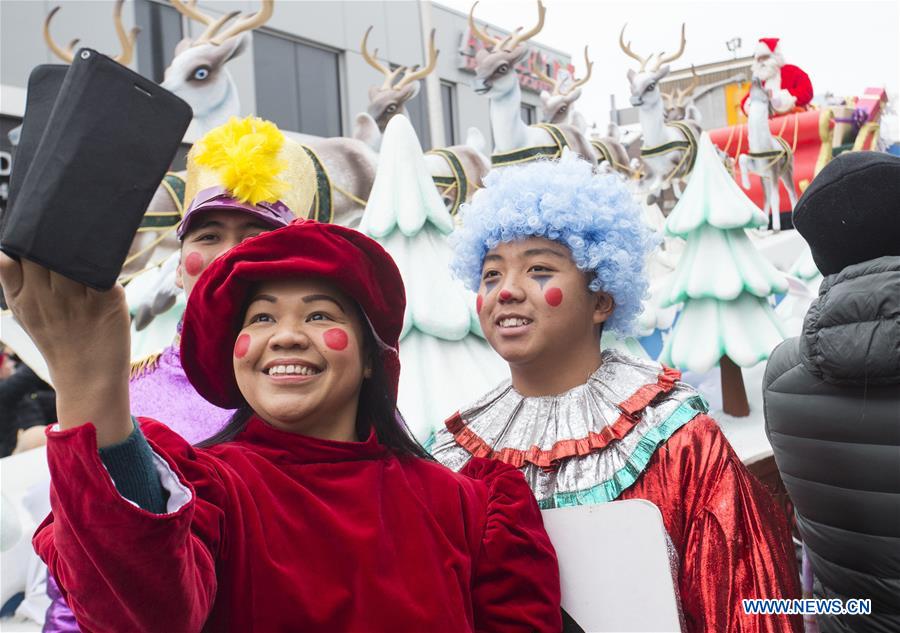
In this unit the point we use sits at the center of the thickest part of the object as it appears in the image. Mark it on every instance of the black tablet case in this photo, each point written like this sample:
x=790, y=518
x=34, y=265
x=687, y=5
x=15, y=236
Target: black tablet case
x=44, y=83
x=107, y=144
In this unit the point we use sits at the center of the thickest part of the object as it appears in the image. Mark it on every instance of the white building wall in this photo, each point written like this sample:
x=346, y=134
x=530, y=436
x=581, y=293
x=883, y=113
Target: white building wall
x=335, y=24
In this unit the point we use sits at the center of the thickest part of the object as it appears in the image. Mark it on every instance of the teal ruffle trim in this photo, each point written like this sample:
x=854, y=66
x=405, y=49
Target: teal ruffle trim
x=625, y=477
x=429, y=443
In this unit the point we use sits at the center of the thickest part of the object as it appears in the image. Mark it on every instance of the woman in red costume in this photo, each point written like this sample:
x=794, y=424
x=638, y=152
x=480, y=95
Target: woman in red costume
x=556, y=253
x=313, y=509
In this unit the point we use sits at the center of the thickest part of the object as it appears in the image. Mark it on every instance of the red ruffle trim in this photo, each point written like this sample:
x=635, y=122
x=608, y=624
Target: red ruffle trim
x=562, y=449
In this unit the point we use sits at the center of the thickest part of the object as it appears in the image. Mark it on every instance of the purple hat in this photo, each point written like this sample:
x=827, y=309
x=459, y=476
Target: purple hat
x=276, y=214
x=248, y=165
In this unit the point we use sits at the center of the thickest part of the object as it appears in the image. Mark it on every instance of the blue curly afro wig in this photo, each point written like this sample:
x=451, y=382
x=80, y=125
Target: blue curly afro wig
x=595, y=216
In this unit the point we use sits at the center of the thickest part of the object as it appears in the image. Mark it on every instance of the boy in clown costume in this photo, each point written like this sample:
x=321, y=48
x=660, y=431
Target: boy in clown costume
x=556, y=254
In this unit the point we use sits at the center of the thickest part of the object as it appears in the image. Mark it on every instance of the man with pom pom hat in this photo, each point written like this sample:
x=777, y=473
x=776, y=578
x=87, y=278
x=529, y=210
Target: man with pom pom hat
x=789, y=86
x=243, y=178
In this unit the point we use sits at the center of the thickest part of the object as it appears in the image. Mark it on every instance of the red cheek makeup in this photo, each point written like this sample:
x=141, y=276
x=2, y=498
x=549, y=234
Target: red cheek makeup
x=553, y=297
x=241, y=345
x=335, y=339
x=193, y=264
x=479, y=302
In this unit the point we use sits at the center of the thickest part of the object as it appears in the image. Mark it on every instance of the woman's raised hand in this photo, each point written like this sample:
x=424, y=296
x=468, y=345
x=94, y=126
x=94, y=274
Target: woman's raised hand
x=84, y=336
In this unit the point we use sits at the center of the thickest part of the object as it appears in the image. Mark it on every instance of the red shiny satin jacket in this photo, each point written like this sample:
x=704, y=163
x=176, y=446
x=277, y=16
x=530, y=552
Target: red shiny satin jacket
x=732, y=540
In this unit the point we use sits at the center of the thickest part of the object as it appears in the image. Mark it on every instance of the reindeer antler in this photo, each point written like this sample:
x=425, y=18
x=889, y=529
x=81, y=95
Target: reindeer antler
x=488, y=40
x=371, y=58
x=577, y=83
x=127, y=40
x=512, y=40
x=626, y=48
x=538, y=70
x=213, y=25
x=248, y=23
x=503, y=44
x=415, y=75
x=67, y=54
x=527, y=35
x=682, y=94
x=663, y=59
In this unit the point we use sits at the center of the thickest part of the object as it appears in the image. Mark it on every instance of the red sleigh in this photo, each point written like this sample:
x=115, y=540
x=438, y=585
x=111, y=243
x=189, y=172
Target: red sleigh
x=815, y=136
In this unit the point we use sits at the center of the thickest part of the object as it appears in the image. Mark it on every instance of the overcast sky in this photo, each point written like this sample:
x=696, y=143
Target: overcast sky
x=844, y=46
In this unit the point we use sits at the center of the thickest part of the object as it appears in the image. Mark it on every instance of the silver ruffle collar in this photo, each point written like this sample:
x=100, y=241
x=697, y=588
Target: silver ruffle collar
x=582, y=446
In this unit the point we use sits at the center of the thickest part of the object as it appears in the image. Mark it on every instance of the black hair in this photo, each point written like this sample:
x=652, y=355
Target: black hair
x=377, y=409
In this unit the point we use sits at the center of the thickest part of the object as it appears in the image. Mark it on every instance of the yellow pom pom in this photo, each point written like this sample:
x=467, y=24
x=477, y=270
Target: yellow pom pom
x=244, y=152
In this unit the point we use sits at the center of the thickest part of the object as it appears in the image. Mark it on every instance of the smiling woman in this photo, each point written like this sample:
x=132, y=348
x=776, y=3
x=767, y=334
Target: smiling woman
x=314, y=504
x=305, y=360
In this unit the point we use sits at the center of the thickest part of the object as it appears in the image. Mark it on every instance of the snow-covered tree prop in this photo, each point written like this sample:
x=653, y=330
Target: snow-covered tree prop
x=445, y=361
x=723, y=282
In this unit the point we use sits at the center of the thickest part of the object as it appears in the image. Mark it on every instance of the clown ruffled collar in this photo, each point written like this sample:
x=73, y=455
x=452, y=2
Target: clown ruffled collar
x=584, y=446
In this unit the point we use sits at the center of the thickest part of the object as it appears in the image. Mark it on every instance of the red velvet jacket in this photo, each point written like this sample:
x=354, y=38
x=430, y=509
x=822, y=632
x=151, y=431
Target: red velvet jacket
x=284, y=532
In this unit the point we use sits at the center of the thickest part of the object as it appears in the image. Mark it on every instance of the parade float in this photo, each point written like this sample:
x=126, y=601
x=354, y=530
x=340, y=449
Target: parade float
x=814, y=137
x=811, y=134
x=444, y=356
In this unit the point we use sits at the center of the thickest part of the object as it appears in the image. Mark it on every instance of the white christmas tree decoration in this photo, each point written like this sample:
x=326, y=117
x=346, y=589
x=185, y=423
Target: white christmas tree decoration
x=804, y=280
x=722, y=280
x=445, y=360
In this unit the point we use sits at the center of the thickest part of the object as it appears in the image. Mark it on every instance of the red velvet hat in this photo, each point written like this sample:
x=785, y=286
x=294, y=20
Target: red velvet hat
x=354, y=263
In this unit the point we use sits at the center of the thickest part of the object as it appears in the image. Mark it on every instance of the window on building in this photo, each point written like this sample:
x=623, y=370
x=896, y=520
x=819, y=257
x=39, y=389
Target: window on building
x=529, y=114
x=297, y=85
x=448, y=103
x=161, y=31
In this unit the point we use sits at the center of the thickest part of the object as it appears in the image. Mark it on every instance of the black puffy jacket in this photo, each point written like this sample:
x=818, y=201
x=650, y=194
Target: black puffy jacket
x=832, y=407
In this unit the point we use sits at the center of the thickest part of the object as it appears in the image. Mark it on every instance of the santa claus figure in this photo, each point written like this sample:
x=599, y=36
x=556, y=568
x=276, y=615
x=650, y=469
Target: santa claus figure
x=789, y=87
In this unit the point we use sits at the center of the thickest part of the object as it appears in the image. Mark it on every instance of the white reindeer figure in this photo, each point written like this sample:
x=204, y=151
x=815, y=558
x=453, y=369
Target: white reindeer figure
x=345, y=166
x=558, y=105
x=770, y=156
x=558, y=108
x=679, y=104
x=495, y=76
x=458, y=170
x=682, y=103
x=669, y=149
x=197, y=74
x=390, y=98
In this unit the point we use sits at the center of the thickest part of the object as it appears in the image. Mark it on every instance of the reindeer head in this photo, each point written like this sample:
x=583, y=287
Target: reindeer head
x=389, y=99
x=125, y=39
x=677, y=103
x=556, y=105
x=494, y=69
x=645, y=83
x=759, y=95
x=197, y=72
